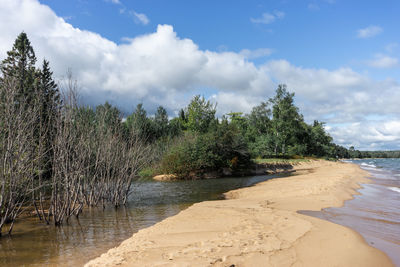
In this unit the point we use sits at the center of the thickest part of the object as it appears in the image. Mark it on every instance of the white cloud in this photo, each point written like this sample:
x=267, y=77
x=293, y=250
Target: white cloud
x=140, y=18
x=117, y=2
x=268, y=18
x=160, y=68
x=279, y=14
x=257, y=53
x=369, y=135
x=383, y=61
x=369, y=32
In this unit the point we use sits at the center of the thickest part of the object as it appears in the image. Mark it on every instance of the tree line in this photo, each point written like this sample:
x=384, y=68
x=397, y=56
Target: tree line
x=358, y=154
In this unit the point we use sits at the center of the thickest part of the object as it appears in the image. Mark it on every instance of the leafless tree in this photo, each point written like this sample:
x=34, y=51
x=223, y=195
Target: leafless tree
x=18, y=151
x=93, y=161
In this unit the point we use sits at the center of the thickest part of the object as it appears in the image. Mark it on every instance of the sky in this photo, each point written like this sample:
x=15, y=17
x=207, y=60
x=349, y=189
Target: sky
x=339, y=57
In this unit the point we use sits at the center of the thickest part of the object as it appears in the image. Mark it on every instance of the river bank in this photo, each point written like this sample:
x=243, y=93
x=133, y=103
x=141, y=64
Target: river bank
x=258, y=226
x=34, y=243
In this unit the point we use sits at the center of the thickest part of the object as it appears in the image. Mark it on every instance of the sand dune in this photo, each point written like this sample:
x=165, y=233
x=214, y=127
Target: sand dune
x=258, y=226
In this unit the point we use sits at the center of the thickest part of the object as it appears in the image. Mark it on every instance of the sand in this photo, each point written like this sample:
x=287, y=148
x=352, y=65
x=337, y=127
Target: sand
x=258, y=226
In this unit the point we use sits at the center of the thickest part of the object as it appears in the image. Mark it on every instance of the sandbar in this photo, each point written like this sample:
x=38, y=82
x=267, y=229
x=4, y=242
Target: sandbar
x=258, y=226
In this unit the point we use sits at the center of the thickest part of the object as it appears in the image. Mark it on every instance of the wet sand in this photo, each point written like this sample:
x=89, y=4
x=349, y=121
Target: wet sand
x=258, y=226
x=375, y=213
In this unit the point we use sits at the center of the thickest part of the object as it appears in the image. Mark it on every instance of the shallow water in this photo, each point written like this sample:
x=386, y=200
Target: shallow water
x=375, y=214
x=36, y=244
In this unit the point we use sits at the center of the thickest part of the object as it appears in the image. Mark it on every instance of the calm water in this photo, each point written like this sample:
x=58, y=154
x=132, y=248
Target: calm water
x=375, y=214
x=35, y=244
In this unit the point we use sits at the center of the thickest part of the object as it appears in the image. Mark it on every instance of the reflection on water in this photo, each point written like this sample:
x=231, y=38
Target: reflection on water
x=36, y=244
x=375, y=214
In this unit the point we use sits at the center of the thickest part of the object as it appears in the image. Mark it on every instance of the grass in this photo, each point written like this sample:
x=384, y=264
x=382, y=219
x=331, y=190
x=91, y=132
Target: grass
x=280, y=160
x=146, y=173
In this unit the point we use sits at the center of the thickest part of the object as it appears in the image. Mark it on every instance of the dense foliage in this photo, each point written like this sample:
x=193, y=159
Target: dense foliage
x=275, y=128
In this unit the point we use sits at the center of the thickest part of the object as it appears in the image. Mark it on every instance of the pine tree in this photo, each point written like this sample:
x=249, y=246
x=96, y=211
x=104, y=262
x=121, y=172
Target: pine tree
x=160, y=122
x=48, y=85
x=139, y=124
x=48, y=101
x=20, y=66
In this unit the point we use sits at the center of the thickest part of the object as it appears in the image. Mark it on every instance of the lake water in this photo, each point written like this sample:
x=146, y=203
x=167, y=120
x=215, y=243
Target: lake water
x=96, y=231
x=375, y=214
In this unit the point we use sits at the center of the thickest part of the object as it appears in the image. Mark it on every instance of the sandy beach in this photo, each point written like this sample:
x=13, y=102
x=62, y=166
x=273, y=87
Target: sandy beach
x=258, y=226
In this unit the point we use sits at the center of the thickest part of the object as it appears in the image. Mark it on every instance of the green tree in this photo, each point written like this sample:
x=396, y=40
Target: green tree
x=48, y=101
x=285, y=119
x=161, y=122
x=175, y=127
x=109, y=118
x=20, y=65
x=259, y=118
x=199, y=114
x=321, y=142
x=49, y=88
x=140, y=124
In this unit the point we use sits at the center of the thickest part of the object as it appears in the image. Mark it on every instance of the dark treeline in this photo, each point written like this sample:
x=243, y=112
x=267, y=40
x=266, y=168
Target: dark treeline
x=353, y=153
x=58, y=156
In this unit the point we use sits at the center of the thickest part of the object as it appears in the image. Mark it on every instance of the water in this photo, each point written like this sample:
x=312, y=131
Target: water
x=375, y=214
x=36, y=244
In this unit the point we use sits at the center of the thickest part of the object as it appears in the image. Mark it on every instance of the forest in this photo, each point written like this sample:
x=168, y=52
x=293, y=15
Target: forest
x=58, y=155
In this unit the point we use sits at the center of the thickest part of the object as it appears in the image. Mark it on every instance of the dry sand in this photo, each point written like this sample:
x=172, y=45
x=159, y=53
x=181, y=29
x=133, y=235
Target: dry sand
x=258, y=226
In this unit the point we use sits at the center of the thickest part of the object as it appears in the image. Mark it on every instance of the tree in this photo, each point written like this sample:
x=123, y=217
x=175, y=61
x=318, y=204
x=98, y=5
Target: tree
x=139, y=123
x=18, y=151
x=320, y=140
x=161, y=123
x=259, y=118
x=49, y=102
x=49, y=88
x=200, y=114
x=108, y=118
x=176, y=127
x=20, y=65
x=285, y=120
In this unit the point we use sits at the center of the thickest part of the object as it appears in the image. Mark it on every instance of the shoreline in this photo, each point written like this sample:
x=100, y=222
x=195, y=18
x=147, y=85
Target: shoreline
x=258, y=226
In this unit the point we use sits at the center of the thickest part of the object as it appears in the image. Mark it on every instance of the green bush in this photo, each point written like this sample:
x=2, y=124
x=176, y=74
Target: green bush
x=219, y=148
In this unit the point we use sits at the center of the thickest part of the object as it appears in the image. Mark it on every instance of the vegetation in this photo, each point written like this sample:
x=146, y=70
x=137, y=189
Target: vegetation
x=353, y=153
x=282, y=160
x=57, y=156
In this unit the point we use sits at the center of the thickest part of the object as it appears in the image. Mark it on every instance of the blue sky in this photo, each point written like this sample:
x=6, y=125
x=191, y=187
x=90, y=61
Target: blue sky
x=313, y=34
x=340, y=57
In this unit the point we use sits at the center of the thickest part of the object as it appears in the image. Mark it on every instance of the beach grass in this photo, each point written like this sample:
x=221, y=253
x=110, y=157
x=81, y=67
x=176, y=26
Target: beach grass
x=280, y=160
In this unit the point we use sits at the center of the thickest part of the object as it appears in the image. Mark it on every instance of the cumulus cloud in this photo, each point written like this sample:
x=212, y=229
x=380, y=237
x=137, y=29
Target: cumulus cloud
x=369, y=32
x=161, y=68
x=370, y=135
x=383, y=62
x=268, y=18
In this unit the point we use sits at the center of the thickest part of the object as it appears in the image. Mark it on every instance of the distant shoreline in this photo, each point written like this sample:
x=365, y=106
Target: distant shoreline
x=258, y=226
